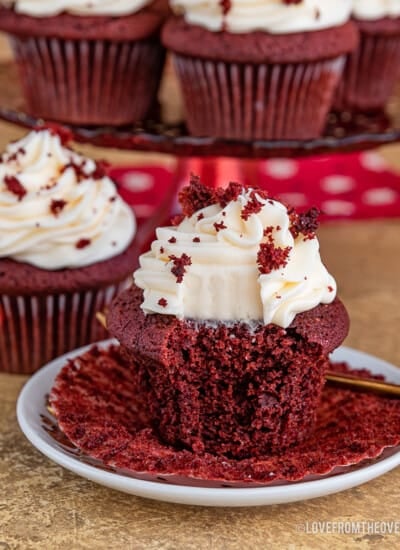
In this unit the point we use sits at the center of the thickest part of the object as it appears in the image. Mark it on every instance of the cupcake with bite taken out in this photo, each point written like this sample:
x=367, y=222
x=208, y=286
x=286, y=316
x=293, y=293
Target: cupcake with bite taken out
x=260, y=70
x=87, y=63
x=66, y=249
x=373, y=68
x=230, y=323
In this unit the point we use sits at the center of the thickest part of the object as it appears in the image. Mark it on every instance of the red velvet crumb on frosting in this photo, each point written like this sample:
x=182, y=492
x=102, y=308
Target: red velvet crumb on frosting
x=219, y=226
x=65, y=135
x=270, y=257
x=100, y=170
x=57, y=205
x=254, y=204
x=15, y=187
x=82, y=243
x=14, y=156
x=229, y=194
x=179, y=266
x=226, y=6
x=305, y=223
x=195, y=196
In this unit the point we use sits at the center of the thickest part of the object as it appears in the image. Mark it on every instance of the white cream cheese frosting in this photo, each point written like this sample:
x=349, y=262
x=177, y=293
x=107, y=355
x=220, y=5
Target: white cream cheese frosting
x=221, y=278
x=48, y=8
x=371, y=10
x=273, y=16
x=57, y=208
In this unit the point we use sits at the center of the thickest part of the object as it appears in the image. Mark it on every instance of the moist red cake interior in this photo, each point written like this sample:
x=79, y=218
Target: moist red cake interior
x=234, y=389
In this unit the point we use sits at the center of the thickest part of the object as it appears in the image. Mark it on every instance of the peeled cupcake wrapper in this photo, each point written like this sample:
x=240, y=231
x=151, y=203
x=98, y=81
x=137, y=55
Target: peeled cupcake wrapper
x=370, y=74
x=263, y=101
x=36, y=329
x=89, y=81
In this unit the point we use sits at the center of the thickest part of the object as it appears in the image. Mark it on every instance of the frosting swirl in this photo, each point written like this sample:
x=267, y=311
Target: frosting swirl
x=57, y=208
x=223, y=264
x=48, y=8
x=371, y=10
x=273, y=16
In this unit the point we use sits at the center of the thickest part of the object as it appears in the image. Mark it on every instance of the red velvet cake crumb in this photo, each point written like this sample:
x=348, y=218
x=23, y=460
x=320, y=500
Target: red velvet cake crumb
x=65, y=135
x=179, y=266
x=226, y=6
x=77, y=168
x=14, y=156
x=268, y=232
x=100, y=170
x=219, y=226
x=254, y=205
x=15, y=187
x=305, y=223
x=57, y=205
x=82, y=243
x=162, y=302
x=229, y=194
x=195, y=196
x=270, y=257
x=176, y=220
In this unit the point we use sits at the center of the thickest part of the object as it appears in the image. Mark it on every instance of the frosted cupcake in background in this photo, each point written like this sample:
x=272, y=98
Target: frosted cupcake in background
x=66, y=249
x=80, y=62
x=373, y=69
x=265, y=69
x=230, y=323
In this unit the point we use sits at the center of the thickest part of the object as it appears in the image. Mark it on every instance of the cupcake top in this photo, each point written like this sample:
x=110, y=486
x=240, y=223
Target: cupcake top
x=371, y=10
x=59, y=209
x=48, y=8
x=272, y=16
x=236, y=255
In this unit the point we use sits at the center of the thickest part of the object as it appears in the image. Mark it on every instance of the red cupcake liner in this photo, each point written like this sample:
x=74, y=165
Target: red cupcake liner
x=36, y=329
x=265, y=101
x=98, y=405
x=89, y=82
x=370, y=73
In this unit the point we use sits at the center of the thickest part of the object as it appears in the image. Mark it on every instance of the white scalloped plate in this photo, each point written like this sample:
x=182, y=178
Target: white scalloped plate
x=31, y=409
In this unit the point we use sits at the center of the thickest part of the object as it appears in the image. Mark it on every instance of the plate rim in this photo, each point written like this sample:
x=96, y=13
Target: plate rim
x=194, y=495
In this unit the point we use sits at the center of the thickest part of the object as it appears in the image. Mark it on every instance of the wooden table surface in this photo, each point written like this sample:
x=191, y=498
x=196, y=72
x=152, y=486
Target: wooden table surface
x=44, y=506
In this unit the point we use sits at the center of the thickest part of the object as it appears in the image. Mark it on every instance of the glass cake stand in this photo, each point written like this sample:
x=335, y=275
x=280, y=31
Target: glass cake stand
x=222, y=160
x=165, y=132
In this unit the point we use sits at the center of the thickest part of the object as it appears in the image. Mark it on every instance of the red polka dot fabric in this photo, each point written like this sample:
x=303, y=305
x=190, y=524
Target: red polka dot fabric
x=354, y=186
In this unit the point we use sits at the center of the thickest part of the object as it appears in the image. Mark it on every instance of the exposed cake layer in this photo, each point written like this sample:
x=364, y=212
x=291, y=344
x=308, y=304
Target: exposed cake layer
x=238, y=389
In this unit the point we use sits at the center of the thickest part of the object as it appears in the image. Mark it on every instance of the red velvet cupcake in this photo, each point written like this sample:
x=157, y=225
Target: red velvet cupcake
x=87, y=63
x=66, y=250
x=259, y=70
x=230, y=323
x=373, y=68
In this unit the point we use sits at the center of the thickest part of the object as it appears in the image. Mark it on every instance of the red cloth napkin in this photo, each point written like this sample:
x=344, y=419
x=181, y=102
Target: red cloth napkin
x=355, y=186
